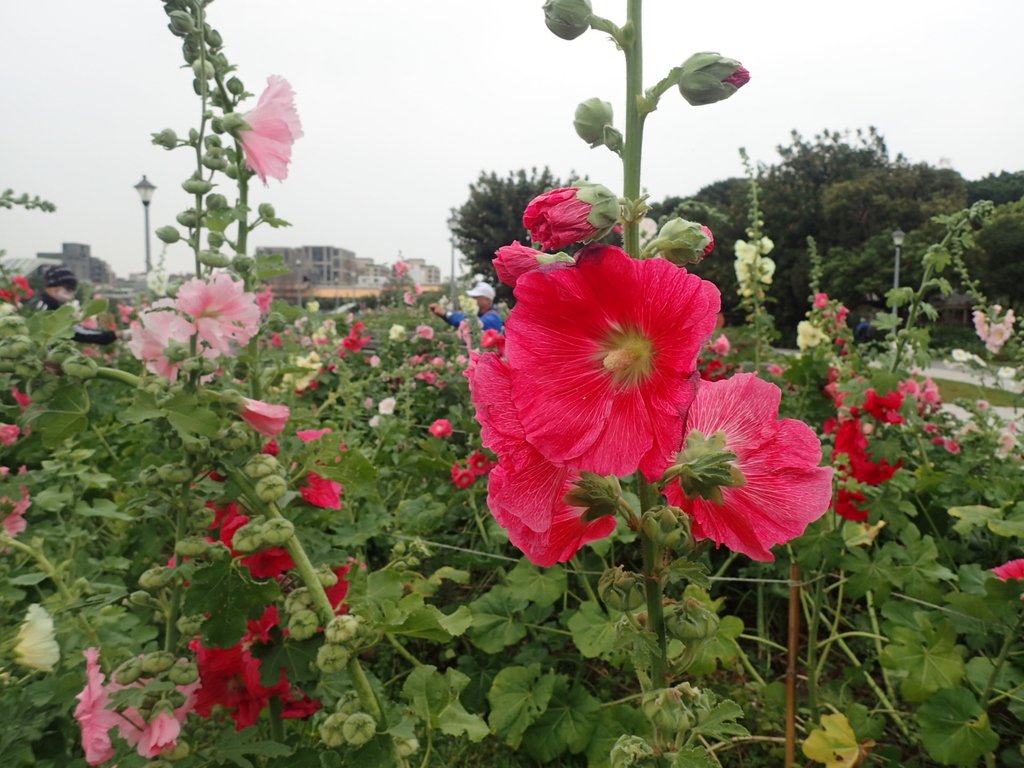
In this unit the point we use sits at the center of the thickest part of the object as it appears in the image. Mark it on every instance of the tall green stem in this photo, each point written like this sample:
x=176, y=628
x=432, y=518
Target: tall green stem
x=1001, y=659
x=632, y=47
x=652, y=554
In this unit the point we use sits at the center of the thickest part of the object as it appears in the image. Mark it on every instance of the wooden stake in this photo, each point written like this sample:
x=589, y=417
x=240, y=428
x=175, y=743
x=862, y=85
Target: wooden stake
x=794, y=651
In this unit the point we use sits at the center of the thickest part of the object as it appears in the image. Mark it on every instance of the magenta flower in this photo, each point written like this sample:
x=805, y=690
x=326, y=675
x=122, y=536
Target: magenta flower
x=222, y=310
x=273, y=127
x=14, y=522
x=785, y=488
x=425, y=331
x=9, y=433
x=1014, y=569
x=441, y=428
x=267, y=419
x=321, y=491
x=93, y=717
x=608, y=395
x=309, y=435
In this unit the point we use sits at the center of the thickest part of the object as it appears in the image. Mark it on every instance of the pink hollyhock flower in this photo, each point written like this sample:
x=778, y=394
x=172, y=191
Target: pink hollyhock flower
x=441, y=428
x=775, y=370
x=419, y=289
x=159, y=326
x=785, y=488
x=720, y=346
x=462, y=477
x=308, y=435
x=269, y=420
x=14, y=523
x=820, y=300
x=609, y=395
x=1014, y=569
x=425, y=331
x=428, y=376
x=264, y=299
x=273, y=127
x=409, y=298
x=321, y=491
x=93, y=717
x=23, y=400
x=125, y=312
x=401, y=269
x=559, y=218
x=223, y=311
x=9, y=433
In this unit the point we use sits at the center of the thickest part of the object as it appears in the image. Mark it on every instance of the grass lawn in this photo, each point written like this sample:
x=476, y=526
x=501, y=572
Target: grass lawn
x=952, y=390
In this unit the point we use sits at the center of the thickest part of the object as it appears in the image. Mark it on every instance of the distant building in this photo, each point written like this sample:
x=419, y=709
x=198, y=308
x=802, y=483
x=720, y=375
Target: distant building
x=423, y=273
x=317, y=265
x=78, y=258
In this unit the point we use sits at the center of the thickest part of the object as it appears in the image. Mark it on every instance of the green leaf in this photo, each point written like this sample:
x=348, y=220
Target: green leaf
x=270, y=265
x=233, y=747
x=972, y=517
x=225, y=591
x=296, y=658
x=518, y=697
x=720, y=721
x=955, y=729
x=690, y=571
x=528, y=582
x=143, y=408
x=104, y=508
x=426, y=622
x=928, y=657
x=834, y=744
x=94, y=307
x=47, y=326
x=611, y=723
x=436, y=700
x=568, y=724
x=63, y=415
x=189, y=418
x=593, y=631
x=1012, y=526
x=354, y=471
x=495, y=624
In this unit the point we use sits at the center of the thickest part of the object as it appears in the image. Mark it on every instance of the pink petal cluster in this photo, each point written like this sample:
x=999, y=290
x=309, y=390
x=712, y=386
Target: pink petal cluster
x=425, y=331
x=513, y=261
x=558, y=218
x=14, y=522
x=157, y=327
x=785, y=488
x=273, y=127
x=222, y=311
x=441, y=428
x=267, y=419
x=1013, y=569
x=994, y=334
x=9, y=433
x=309, y=435
x=321, y=491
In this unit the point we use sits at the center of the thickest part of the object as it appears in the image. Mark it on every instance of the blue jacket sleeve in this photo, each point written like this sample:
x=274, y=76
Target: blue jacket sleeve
x=492, y=321
x=455, y=318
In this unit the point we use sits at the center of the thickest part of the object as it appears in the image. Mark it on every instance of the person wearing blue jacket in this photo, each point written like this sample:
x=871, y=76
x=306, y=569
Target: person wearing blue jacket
x=487, y=314
x=61, y=285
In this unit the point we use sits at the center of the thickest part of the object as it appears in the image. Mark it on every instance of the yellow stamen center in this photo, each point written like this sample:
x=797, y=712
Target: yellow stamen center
x=628, y=356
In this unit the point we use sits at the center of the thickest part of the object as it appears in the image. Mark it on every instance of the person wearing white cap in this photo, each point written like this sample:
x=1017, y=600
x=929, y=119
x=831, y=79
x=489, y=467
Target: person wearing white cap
x=488, y=315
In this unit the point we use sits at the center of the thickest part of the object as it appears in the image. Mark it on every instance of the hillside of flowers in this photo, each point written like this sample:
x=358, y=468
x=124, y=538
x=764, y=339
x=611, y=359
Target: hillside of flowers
x=613, y=533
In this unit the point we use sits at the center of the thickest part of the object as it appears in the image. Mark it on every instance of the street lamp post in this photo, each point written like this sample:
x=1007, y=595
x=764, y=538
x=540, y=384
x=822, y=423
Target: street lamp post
x=145, y=190
x=898, y=235
x=451, y=278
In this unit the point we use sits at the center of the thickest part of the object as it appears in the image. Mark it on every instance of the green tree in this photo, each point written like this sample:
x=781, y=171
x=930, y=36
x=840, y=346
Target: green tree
x=1004, y=188
x=493, y=217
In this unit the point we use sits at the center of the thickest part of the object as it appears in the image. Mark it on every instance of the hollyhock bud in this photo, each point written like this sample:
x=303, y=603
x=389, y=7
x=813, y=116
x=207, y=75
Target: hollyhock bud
x=277, y=531
x=330, y=729
x=621, y=589
x=262, y=465
x=593, y=124
x=302, y=625
x=569, y=215
x=156, y=662
x=705, y=78
x=168, y=234
x=129, y=671
x=155, y=577
x=683, y=242
x=342, y=629
x=568, y=19
x=167, y=139
x=271, y=488
x=513, y=261
x=599, y=495
x=359, y=728
x=332, y=658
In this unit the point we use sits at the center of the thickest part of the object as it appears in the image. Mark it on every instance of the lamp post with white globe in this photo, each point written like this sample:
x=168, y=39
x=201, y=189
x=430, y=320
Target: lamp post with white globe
x=898, y=235
x=145, y=190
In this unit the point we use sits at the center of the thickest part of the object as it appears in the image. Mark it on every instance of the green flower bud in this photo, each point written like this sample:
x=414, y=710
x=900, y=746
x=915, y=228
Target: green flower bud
x=189, y=625
x=597, y=494
x=342, y=629
x=156, y=662
x=181, y=23
x=332, y=658
x=683, y=242
x=630, y=752
x=129, y=671
x=80, y=367
x=213, y=259
x=592, y=116
x=276, y=322
x=262, y=465
x=140, y=599
x=407, y=747
x=249, y=538
x=156, y=577
x=196, y=186
x=605, y=208
x=704, y=467
x=326, y=577
x=12, y=325
x=167, y=139
x=235, y=87
x=621, y=589
x=183, y=673
x=691, y=622
x=174, y=473
x=218, y=551
x=331, y=730
x=298, y=600
x=216, y=202
x=277, y=531
x=232, y=122
x=359, y=728
x=168, y=234
x=215, y=162
x=234, y=436
x=266, y=210
x=188, y=218
x=197, y=445
x=568, y=19
x=303, y=624
x=243, y=264
x=271, y=488
x=705, y=78
x=193, y=546
x=668, y=526
x=203, y=69
x=15, y=347
x=179, y=751
x=214, y=39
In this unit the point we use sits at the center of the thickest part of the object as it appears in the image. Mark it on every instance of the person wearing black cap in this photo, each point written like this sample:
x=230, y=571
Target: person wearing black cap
x=61, y=285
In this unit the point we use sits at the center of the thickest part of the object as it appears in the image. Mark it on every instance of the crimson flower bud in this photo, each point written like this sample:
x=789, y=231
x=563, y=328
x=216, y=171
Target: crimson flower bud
x=705, y=78
x=569, y=215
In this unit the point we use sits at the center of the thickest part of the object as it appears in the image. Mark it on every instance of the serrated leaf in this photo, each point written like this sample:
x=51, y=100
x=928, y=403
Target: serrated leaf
x=518, y=697
x=143, y=408
x=955, y=729
x=427, y=622
x=611, y=723
x=189, y=418
x=225, y=591
x=296, y=658
x=593, y=631
x=350, y=468
x=63, y=415
x=270, y=265
x=495, y=623
x=929, y=659
x=567, y=725
x=720, y=721
x=834, y=744
x=684, y=569
x=971, y=517
x=436, y=700
x=104, y=508
x=542, y=586
x=234, y=746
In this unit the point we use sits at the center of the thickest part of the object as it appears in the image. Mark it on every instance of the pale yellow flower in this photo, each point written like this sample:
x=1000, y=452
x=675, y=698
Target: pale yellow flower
x=36, y=647
x=809, y=336
x=397, y=332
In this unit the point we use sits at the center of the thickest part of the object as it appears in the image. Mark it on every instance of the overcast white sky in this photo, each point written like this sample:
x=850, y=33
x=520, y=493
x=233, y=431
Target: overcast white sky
x=404, y=102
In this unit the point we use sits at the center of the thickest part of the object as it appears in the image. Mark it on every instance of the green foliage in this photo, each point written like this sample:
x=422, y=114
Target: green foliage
x=954, y=729
x=225, y=591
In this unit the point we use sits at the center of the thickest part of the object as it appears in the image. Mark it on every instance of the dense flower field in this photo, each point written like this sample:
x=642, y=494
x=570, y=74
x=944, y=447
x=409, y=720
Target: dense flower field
x=261, y=534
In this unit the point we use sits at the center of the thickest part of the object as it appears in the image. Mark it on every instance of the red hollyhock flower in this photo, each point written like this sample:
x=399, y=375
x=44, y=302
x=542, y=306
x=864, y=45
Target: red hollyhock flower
x=492, y=338
x=269, y=563
x=309, y=435
x=525, y=491
x=462, y=477
x=271, y=448
x=848, y=505
x=851, y=440
x=441, y=428
x=884, y=408
x=513, y=261
x=608, y=395
x=559, y=218
x=265, y=418
x=339, y=591
x=321, y=491
x=479, y=463
x=1014, y=569
x=785, y=488
x=23, y=400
